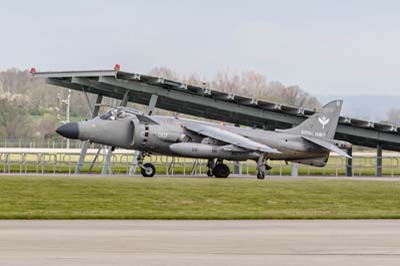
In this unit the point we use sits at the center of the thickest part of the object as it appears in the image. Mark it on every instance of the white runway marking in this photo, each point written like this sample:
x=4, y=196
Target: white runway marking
x=131, y=242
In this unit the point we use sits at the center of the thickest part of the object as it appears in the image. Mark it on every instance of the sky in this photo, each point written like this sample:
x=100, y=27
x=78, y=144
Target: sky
x=325, y=47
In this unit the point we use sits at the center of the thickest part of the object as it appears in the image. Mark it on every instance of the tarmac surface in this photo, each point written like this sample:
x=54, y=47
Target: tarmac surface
x=170, y=242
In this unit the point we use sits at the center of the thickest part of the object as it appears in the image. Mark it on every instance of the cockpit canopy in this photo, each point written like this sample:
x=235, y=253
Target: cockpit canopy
x=119, y=113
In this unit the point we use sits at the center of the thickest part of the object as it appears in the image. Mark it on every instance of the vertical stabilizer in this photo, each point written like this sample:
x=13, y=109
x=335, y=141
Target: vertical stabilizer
x=322, y=124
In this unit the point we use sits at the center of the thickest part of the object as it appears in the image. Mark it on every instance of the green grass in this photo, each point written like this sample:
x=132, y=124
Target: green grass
x=23, y=197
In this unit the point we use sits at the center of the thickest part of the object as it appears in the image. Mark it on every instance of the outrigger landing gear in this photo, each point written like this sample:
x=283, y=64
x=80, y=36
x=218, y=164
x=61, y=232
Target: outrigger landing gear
x=210, y=173
x=210, y=166
x=260, y=174
x=219, y=169
x=147, y=169
x=262, y=167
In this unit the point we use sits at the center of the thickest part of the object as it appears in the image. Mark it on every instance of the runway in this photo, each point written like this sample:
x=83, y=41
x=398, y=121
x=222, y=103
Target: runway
x=261, y=242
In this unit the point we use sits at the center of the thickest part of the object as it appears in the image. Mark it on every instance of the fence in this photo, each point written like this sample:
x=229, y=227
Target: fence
x=43, y=161
x=54, y=143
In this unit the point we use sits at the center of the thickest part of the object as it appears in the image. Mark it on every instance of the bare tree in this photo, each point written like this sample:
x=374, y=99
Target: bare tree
x=393, y=116
x=14, y=119
x=163, y=72
x=250, y=84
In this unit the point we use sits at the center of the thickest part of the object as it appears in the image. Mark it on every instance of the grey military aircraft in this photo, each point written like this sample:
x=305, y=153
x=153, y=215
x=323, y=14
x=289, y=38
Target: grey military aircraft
x=308, y=143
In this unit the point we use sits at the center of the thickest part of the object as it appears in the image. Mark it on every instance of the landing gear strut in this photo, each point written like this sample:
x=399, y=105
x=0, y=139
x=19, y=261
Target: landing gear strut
x=218, y=169
x=210, y=166
x=262, y=167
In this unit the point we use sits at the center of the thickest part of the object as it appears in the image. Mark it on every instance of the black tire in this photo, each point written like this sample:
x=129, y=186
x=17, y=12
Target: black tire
x=209, y=172
x=221, y=171
x=149, y=170
x=260, y=175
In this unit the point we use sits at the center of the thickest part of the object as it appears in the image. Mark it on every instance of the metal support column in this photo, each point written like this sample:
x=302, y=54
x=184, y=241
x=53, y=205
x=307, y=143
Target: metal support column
x=94, y=160
x=124, y=101
x=85, y=144
x=236, y=164
x=152, y=104
x=237, y=168
x=294, y=171
x=349, y=163
x=379, y=160
x=107, y=162
x=134, y=163
x=149, y=110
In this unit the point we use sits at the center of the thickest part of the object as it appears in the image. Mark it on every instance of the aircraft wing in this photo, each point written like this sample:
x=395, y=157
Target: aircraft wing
x=229, y=137
x=327, y=145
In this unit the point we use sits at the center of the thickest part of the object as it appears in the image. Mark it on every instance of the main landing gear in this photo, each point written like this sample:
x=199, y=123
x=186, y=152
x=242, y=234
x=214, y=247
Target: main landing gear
x=217, y=169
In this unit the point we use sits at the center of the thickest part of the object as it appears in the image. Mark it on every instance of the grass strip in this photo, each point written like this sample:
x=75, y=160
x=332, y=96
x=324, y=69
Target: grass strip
x=24, y=197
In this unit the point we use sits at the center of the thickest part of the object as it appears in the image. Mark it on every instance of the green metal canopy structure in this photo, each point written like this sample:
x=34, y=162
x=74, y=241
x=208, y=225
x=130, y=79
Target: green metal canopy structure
x=204, y=102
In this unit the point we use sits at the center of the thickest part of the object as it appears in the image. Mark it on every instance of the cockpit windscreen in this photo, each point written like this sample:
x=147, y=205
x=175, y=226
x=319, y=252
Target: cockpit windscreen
x=114, y=114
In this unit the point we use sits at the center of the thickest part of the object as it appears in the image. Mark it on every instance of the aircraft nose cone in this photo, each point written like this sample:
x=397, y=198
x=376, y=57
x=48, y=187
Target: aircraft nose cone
x=69, y=130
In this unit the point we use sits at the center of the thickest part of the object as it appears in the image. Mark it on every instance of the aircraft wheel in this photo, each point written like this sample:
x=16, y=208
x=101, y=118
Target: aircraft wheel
x=260, y=175
x=149, y=170
x=221, y=171
x=209, y=172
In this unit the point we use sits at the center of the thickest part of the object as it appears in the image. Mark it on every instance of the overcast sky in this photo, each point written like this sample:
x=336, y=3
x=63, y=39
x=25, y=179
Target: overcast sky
x=340, y=47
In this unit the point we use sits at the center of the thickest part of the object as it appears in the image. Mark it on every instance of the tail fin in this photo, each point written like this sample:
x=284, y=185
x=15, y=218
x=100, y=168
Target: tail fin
x=322, y=124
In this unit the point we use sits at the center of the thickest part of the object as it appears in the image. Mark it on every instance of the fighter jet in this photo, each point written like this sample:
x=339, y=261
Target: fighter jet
x=307, y=143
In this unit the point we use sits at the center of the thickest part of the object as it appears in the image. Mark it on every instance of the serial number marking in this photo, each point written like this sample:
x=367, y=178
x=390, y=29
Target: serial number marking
x=162, y=135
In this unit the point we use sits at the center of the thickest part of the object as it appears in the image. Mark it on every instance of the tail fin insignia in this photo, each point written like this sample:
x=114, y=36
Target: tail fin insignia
x=324, y=121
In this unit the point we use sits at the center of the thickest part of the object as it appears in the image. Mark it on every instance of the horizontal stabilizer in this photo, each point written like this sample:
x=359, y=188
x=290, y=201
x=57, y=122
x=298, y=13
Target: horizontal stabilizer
x=327, y=145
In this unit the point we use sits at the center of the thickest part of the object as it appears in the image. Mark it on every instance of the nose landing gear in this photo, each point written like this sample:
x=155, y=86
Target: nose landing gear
x=147, y=169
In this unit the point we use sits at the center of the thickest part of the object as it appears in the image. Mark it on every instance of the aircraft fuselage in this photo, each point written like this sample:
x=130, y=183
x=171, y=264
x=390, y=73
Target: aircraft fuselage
x=130, y=133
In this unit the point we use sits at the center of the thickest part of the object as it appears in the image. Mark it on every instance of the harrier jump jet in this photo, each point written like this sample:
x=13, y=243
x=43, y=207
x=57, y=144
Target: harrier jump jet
x=308, y=143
